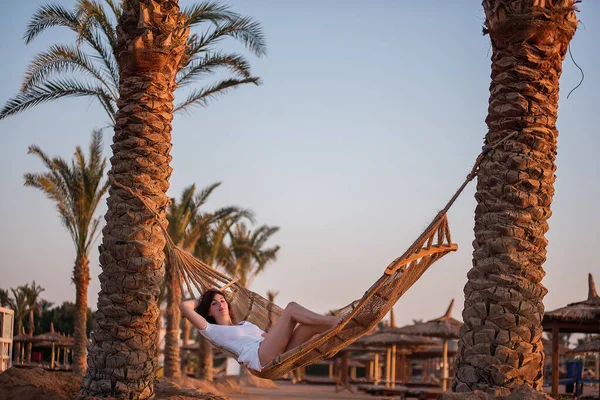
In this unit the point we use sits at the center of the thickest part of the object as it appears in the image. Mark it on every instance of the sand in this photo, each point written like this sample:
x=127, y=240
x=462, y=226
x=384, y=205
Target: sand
x=39, y=384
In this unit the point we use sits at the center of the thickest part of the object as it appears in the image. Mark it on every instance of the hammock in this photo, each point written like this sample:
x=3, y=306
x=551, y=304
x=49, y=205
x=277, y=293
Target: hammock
x=360, y=316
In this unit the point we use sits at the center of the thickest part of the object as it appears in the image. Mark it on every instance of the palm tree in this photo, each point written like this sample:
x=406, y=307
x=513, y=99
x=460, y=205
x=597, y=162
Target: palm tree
x=144, y=59
x=4, y=299
x=32, y=294
x=500, y=348
x=247, y=257
x=187, y=225
x=94, y=70
x=76, y=190
x=45, y=305
x=19, y=305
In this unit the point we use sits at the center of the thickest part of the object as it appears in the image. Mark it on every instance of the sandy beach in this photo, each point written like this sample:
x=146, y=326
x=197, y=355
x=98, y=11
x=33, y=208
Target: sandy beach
x=288, y=391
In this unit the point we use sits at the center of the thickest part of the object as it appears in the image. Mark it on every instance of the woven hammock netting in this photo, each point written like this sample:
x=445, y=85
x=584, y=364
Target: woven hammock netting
x=360, y=316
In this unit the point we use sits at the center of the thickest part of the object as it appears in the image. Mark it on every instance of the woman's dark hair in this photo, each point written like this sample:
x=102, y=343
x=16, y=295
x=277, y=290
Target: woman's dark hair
x=204, y=306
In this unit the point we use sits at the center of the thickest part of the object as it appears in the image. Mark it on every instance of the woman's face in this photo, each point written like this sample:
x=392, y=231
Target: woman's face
x=219, y=309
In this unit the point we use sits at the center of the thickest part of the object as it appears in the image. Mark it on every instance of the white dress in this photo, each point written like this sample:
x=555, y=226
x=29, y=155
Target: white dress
x=243, y=340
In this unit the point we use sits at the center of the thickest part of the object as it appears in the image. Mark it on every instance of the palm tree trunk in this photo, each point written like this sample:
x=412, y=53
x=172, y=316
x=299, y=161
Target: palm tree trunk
x=500, y=348
x=158, y=329
x=81, y=277
x=205, y=357
x=122, y=357
x=31, y=329
x=172, y=356
x=187, y=328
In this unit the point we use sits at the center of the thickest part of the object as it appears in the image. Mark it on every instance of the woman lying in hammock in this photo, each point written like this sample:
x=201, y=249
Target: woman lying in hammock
x=213, y=316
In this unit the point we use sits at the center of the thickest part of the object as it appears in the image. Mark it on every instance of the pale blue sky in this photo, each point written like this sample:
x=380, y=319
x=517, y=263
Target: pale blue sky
x=370, y=116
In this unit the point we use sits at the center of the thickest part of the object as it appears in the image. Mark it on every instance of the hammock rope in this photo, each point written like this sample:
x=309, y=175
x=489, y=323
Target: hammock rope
x=360, y=316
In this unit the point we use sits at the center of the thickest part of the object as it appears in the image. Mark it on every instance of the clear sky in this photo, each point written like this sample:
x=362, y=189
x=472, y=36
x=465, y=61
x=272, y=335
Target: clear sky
x=370, y=116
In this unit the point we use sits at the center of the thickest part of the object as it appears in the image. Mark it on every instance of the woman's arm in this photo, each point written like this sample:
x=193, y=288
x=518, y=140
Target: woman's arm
x=187, y=310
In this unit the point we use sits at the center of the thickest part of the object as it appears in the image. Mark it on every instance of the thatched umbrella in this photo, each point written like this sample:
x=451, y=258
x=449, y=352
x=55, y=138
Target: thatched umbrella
x=21, y=339
x=444, y=328
x=580, y=317
x=50, y=338
x=390, y=339
x=436, y=351
x=587, y=311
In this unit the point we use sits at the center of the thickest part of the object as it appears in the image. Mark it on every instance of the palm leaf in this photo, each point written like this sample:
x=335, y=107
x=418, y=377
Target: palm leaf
x=211, y=11
x=209, y=63
x=92, y=15
x=60, y=59
x=54, y=90
x=203, y=96
x=47, y=16
x=244, y=29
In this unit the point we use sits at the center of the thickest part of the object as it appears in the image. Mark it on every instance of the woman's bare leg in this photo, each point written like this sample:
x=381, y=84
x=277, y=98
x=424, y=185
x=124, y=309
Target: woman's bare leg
x=303, y=333
x=276, y=341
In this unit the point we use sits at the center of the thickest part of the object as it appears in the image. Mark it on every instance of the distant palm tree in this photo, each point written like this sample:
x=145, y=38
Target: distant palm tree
x=45, y=305
x=4, y=298
x=248, y=257
x=76, y=190
x=19, y=305
x=32, y=294
x=93, y=70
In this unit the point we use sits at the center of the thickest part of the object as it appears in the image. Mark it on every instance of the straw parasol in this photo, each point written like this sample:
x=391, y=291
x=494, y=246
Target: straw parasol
x=579, y=317
x=390, y=339
x=436, y=351
x=444, y=328
x=386, y=338
x=50, y=338
x=22, y=338
x=587, y=311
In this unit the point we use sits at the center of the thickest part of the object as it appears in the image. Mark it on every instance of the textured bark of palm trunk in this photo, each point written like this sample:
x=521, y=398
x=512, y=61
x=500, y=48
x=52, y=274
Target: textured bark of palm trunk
x=122, y=356
x=172, y=352
x=31, y=328
x=205, y=356
x=81, y=277
x=500, y=350
x=187, y=328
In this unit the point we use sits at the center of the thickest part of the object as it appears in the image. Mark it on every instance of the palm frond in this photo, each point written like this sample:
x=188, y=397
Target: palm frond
x=243, y=29
x=75, y=188
x=209, y=63
x=202, y=197
x=56, y=89
x=211, y=11
x=116, y=8
x=107, y=57
x=92, y=15
x=60, y=59
x=92, y=231
x=95, y=151
x=203, y=96
x=47, y=16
